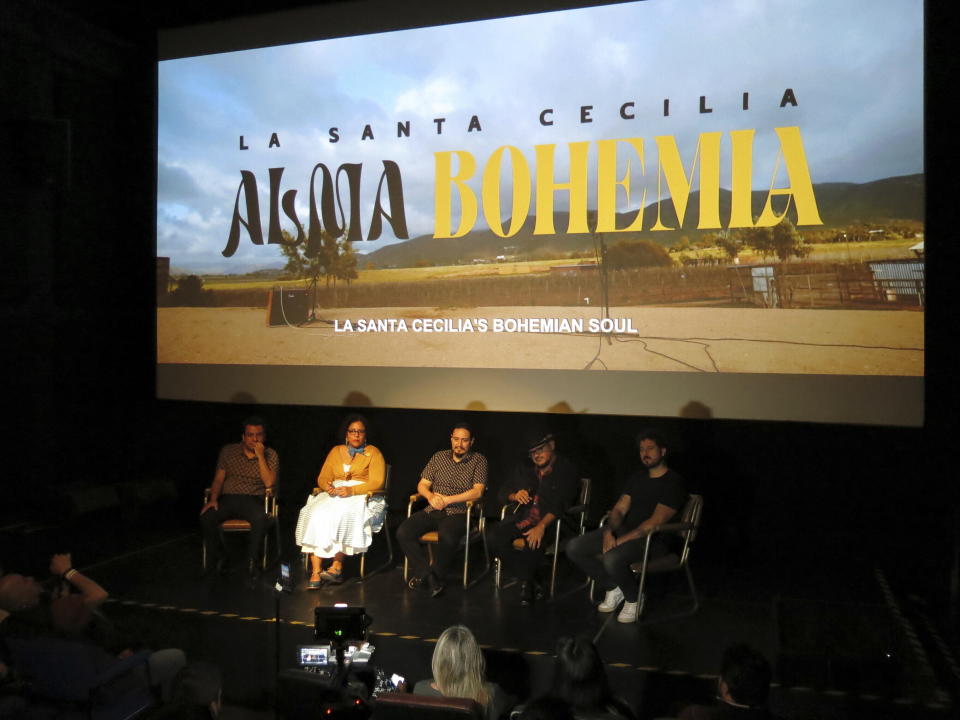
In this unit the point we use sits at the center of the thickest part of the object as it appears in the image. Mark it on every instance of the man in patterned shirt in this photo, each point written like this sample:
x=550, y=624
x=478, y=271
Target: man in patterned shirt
x=245, y=472
x=450, y=479
x=537, y=493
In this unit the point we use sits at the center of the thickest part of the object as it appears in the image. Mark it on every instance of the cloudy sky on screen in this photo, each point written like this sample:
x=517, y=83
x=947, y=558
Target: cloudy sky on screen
x=855, y=68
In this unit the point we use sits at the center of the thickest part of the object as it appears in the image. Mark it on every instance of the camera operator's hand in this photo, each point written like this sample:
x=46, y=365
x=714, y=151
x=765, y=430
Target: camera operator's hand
x=59, y=564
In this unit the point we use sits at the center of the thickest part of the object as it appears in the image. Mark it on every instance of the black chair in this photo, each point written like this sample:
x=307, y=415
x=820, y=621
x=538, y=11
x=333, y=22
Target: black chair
x=686, y=529
x=573, y=523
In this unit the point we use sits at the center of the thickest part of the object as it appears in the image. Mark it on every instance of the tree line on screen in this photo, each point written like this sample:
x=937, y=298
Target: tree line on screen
x=631, y=257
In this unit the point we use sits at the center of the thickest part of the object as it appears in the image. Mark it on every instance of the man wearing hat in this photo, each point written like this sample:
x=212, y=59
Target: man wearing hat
x=538, y=493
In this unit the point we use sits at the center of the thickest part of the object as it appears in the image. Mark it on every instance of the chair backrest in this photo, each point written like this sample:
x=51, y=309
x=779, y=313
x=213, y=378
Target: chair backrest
x=425, y=707
x=691, y=514
x=584, y=497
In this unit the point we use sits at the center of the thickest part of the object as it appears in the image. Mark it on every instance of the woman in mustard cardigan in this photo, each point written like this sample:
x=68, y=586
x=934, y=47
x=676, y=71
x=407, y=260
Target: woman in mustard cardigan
x=336, y=521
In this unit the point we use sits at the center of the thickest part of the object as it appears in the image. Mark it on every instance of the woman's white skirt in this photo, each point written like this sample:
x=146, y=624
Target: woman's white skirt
x=330, y=525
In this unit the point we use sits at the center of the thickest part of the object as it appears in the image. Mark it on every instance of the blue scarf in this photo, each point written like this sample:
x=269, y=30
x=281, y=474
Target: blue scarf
x=354, y=450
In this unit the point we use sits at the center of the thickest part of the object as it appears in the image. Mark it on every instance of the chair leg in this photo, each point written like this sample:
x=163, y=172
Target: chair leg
x=693, y=589
x=556, y=554
x=674, y=615
x=389, y=561
x=641, y=601
x=486, y=557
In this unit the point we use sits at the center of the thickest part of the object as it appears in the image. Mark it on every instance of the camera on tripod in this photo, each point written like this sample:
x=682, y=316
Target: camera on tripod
x=341, y=635
x=325, y=679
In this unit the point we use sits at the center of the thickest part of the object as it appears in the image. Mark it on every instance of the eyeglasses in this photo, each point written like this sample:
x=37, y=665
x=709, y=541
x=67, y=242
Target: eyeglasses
x=356, y=432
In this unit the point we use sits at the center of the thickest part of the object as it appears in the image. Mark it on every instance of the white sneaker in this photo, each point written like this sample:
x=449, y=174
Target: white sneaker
x=629, y=612
x=611, y=601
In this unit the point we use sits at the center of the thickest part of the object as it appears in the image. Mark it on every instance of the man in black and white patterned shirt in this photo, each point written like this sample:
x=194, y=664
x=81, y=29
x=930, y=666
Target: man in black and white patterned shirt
x=450, y=479
x=245, y=472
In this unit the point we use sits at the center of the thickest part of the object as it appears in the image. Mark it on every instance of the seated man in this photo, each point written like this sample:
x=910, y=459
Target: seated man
x=450, y=479
x=743, y=688
x=245, y=472
x=539, y=494
x=650, y=497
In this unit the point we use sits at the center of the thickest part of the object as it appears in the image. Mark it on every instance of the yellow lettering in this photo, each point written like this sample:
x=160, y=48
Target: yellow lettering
x=546, y=186
x=800, y=188
x=607, y=185
x=671, y=169
x=521, y=191
x=443, y=193
x=741, y=178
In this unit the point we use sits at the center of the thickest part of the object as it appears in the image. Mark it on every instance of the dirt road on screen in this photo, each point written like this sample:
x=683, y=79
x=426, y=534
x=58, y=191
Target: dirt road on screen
x=844, y=342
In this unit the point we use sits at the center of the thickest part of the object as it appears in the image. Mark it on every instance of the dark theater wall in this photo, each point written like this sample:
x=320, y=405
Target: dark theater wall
x=77, y=176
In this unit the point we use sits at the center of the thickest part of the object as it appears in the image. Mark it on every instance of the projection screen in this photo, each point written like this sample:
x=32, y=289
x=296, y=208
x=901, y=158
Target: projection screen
x=698, y=208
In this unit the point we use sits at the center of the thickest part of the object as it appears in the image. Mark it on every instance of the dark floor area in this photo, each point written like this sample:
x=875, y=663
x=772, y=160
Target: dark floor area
x=843, y=646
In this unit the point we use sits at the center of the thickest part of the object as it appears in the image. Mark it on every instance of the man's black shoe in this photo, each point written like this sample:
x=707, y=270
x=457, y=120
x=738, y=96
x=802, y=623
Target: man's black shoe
x=436, y=587
x=530, y=592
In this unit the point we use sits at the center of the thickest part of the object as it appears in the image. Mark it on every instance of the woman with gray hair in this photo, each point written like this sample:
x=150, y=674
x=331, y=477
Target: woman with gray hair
x=459, y=670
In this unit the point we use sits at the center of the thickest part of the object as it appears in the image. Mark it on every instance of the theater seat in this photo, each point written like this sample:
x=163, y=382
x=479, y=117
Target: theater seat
x=402, y=706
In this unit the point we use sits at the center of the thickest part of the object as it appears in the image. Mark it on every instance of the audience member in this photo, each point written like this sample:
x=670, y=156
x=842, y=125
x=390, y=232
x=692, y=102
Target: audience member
x=196, y=694
x=579, y=679
x=65, y=606
x=459, y=671
x=66, y=609
x=742, y=689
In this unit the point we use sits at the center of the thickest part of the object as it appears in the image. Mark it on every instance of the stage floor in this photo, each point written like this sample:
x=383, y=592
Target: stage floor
x=829, y=649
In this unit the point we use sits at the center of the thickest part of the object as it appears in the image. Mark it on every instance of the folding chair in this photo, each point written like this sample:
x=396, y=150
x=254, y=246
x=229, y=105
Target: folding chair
x=686, y=529
x=572, y=523
x=476, y=525
x=238, y=525
x=383, y=492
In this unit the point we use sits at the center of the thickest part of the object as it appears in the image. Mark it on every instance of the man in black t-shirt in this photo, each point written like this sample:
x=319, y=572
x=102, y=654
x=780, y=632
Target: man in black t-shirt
x=650, y=497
